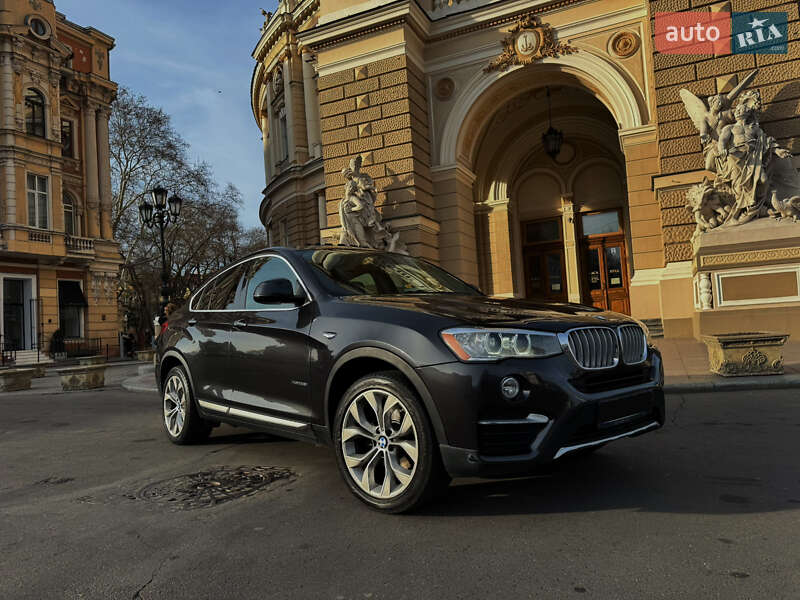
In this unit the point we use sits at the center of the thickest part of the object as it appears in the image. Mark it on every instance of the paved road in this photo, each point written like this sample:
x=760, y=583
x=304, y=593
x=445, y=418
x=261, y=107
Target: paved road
x=709, y=507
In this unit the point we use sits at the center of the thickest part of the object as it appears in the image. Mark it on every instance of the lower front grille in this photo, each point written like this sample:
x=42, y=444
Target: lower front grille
x=613, y=379
x=506, y=439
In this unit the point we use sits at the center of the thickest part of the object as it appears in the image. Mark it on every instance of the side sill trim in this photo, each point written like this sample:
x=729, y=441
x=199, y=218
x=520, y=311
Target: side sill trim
x=213, y=406
x=246, y=414
x=562, y=451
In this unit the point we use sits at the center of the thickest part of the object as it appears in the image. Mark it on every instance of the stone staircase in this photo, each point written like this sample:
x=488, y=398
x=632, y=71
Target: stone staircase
x=31, y=357
x=655, y=326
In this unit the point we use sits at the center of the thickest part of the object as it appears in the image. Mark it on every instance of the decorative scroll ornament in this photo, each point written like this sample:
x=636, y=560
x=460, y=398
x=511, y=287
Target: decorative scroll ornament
x=362, y=224
x=529, y=41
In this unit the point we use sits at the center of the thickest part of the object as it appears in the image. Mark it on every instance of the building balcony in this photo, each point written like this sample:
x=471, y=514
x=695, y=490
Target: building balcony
x=79, y=245
x=25, y=241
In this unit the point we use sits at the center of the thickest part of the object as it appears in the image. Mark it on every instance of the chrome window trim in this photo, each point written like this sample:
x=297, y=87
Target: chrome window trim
x=309, y=297
x=644, y=338
x=562, y=451
x=564, y=339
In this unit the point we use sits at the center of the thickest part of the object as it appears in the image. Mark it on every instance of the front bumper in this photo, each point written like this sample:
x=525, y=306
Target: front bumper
x=562, y=410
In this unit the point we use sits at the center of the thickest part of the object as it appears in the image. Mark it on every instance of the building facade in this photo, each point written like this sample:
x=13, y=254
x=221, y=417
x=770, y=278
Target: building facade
x=58, y=260
x=447, y=102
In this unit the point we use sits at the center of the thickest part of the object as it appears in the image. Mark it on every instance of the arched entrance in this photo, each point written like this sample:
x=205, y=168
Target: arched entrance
x=558, y=228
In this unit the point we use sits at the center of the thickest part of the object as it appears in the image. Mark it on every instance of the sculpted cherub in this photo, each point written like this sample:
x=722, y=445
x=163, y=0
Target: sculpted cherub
x=709, y=206
x=711, y=119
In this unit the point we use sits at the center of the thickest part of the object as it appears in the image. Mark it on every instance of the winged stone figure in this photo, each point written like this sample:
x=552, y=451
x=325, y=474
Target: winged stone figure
x=712, y=119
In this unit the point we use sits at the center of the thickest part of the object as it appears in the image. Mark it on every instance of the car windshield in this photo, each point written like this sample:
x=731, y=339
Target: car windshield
x=381, y=273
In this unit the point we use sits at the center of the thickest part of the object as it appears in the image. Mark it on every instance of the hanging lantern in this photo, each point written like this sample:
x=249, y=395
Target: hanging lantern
x=552, y=138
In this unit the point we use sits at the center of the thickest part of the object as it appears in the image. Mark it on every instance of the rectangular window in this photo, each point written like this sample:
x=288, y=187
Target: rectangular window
x=322, y=208
x=543, y=231
x=600, y=223
x=283, y=232
x=67, y=139
x=38, y=205
x=284, y=134
x=69, y=220
x=71, y=304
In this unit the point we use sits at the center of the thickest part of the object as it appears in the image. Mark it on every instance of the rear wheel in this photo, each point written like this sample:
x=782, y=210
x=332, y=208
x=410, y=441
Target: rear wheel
x=385, y=445
x=182, y=423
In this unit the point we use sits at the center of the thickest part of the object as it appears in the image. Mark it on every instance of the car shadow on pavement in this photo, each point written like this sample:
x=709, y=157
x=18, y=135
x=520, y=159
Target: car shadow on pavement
x=620, y=480
x=231, y=435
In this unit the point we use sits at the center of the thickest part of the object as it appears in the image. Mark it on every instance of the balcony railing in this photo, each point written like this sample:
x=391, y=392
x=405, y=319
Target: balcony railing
x=80, y=245
x=39, y=236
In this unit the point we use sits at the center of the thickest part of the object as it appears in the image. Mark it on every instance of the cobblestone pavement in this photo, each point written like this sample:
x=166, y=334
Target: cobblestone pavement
x=95, y=503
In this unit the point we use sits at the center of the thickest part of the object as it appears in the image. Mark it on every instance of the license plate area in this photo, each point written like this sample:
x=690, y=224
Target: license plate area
x=612, y=413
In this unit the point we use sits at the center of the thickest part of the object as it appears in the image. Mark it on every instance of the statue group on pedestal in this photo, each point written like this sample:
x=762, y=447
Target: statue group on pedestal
x=362, y=225
x=754, y=175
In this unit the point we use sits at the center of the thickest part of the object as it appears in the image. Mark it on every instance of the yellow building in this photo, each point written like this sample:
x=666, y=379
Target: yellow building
x=449, y=122
x=58, y=262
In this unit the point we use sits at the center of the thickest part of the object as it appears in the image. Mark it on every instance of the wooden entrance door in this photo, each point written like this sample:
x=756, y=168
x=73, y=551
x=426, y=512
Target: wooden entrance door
x=605, y=262
x=545, y=275
x=545, y=265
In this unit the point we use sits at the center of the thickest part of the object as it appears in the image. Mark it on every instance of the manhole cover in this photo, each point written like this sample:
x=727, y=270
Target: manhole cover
x=212, y=487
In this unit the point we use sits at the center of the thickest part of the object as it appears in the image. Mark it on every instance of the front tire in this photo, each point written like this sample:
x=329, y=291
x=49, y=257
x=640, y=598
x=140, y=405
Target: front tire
x=385, y=446
x=182, y=423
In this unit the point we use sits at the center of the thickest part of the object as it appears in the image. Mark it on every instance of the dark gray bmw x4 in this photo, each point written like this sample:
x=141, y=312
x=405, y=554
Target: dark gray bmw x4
x=410, y=374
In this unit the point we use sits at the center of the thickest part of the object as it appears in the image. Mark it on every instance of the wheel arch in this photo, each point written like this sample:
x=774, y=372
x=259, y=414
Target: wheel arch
x=170, y=359
x=358, y=362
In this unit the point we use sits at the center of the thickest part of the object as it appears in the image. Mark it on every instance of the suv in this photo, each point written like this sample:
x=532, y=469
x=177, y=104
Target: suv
x=412, y=375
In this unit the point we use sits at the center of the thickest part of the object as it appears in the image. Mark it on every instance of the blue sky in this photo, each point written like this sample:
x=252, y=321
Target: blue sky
x=191, y=58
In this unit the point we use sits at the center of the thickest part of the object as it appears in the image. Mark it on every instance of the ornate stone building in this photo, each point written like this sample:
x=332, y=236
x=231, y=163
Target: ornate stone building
x=58, y=261
x=447, y=101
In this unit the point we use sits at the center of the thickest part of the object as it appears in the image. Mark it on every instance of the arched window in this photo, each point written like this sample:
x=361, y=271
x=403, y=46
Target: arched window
x=34, y=113
x=69, y=215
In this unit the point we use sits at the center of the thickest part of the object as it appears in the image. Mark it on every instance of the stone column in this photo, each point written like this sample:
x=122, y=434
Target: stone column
x=273, y=124
x=455, y=212
x=312, y=106
x=288, y=100
x=499, y=279
x=570, y=227
x=266, y=141
x=90, y=169
x=104, y=172
x=8, y=122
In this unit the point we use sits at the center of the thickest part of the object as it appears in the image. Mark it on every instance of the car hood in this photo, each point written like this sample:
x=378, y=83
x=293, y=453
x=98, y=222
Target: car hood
x=497, y=312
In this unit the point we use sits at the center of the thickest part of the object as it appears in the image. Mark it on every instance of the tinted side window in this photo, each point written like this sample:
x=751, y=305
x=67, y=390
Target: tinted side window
x=220, y=294
x=264, y=269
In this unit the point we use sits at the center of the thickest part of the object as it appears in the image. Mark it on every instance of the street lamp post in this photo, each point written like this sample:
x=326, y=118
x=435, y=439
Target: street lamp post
x=160, y=213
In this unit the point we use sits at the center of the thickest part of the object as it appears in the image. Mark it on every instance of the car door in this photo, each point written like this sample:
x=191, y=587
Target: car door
x=209, y=326
x=269, y=357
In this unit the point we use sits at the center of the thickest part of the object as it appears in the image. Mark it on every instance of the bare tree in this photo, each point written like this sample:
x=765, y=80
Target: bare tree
x=147, y=151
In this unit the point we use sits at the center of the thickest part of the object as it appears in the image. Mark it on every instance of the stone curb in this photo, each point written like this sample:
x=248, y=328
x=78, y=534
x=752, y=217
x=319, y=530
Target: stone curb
x=142, y=383
x=687, y=385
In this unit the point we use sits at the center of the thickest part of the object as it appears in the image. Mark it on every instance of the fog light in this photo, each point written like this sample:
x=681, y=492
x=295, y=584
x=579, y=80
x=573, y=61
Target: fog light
x=509, y=387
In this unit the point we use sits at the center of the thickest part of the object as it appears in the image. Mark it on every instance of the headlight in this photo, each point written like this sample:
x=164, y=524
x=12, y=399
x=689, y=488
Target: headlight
x=473, y=344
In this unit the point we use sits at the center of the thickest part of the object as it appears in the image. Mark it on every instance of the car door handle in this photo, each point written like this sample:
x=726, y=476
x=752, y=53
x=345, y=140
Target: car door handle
x=239, y=323
x=192, y=322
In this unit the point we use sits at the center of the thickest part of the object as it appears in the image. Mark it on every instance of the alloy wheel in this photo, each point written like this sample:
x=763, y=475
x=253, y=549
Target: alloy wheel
x=175, y=398
x=379, y=443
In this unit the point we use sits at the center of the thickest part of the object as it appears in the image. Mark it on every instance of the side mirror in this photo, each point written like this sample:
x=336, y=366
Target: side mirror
x=276, y=291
